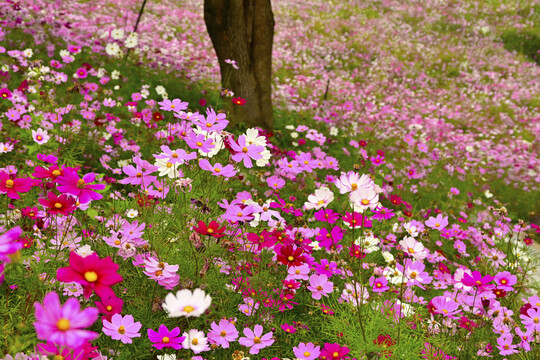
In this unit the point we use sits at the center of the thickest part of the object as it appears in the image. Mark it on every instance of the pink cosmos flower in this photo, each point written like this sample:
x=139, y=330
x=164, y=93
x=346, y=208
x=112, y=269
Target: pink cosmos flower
x=40, y=136
x=275, y=182
x=255, y=340
x=319, y=286
x=213, y=121
x=307, y=351
x=218, y=169
x=505, y=280
x=70, y=183
x=175, y=105
x=140, y=174
x=414, y=248
x=64, y=325
x=415, y=274
x=505, y=344
x=12, y=187
x=223, y=333
x=122, y=328
x=163, y=338
x=438, y=223
x=378, y=284
x=444, y=306
x=92, y=273
x=175, y=156
x=531, y=319
x=245, y=152
x=200, y=142
x=9, y=243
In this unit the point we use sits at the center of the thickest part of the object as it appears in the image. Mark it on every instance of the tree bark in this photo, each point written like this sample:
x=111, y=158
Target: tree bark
x=243, y=30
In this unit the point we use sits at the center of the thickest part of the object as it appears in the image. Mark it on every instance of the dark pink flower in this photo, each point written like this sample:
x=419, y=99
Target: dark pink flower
x=163, y=338
x=92, y=273
x=12, y=187
x=71, y=183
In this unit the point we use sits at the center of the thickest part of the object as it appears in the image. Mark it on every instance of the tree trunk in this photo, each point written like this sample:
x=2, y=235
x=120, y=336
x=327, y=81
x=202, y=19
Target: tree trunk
x=243, y=30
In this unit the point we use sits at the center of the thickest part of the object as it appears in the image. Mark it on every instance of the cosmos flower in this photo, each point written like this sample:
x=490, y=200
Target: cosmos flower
x=122, y=328
x=163, y=338
x=223, y=333
x=40, y=136
x=92, y=273
x=187, y=303
x=64, y=325
x=70, y=182
x=255, y=340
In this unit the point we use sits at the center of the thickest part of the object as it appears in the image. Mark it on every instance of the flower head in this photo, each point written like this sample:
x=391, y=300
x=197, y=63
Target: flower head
x=187, y=303
x=255, y=340
x=163, y=338
x=64, y=325
x=122, y=328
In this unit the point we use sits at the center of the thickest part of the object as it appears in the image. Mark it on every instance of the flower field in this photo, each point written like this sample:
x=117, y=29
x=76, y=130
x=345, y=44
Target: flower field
x=387, y=215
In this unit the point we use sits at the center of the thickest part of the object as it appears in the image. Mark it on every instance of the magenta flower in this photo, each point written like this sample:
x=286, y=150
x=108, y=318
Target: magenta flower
x=71, y=183
x=476, y=280
x=307, y=351
x=319, y=285
x=52, y=351
x=255, y=340
x=64, y=325
x=246, y=152
x=288, y=328
x=12, y=187
x=81, y=73
x=223, y=333
x=334, y=351
x=122, y=328
x=326, y=215
x=378, y=284
x=438, y=223
x=164, y=338
x=218, y=169
x=62, y=204
x=92, y=273
x=9, y=243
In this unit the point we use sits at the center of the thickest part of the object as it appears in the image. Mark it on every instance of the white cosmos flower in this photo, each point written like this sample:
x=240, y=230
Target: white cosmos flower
x=187, y=303
x=166, y=167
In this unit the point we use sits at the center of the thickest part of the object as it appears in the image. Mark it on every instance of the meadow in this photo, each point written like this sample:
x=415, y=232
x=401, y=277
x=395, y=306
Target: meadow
x=389, y=214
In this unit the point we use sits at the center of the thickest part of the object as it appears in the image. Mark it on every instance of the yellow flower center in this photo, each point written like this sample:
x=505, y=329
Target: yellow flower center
x=244, y=149
x=365, y=202
x=413, y=275
x=9, y=183
x=208, y=125
x=290, y=258
x=437, y=224
x=109, y=308
x=122, y=329
x=81, y=184
x=198, y=143
x=217, y=170
x=223, y=333
x=307, y=354
x=39, y=137
x=188, y=309
x=411, y=250
x=210, y=230
x=58, y=357
x=354, y=187
x=62, y=324
x=90, y=276
x=257, y=340
x=165, y=340
x=58, y=205
x=169, y=165
x=335, y=354
x=195, y=341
